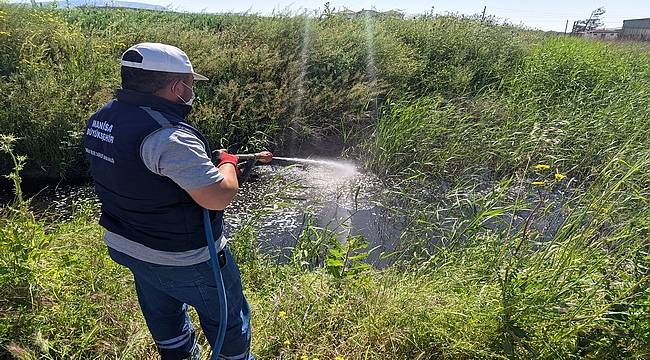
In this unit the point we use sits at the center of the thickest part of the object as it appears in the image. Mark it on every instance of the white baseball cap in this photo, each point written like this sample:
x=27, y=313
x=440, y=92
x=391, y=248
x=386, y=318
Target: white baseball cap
x=159, y=57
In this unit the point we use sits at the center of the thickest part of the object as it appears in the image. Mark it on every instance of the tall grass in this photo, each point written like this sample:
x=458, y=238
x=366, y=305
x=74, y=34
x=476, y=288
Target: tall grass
x=521, y=160
x=560, y=149
x=502, y=286
x=569, y=102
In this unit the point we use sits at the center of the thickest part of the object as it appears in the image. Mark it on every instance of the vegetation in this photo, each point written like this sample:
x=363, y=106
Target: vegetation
x=522, y=160
x=274, y=81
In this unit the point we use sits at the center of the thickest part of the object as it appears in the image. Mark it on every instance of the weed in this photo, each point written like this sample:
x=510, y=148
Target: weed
x=521, y=160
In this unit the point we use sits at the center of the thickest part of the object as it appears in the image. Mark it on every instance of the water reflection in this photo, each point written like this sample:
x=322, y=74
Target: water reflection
x=281, y=201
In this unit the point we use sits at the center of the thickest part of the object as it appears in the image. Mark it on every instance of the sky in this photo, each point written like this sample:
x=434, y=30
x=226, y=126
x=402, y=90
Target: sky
x=542, y=14
x=545, y=14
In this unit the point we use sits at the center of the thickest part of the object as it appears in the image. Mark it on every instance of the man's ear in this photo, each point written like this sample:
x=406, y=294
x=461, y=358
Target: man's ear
x=172, y=86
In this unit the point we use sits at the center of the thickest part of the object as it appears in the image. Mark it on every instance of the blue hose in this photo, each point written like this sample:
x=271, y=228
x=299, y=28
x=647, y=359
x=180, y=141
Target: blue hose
x=216, y=269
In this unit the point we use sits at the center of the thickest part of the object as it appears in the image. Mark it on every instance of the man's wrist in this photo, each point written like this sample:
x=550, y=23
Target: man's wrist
x=221, y=164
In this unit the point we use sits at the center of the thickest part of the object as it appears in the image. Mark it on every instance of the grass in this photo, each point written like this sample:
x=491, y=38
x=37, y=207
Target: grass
x=510, y=291
x=521, y=160
x=571, y=103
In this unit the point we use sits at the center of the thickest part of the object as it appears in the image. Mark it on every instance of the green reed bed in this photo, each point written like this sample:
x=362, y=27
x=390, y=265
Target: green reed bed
x=522, y=161
x=569, y=102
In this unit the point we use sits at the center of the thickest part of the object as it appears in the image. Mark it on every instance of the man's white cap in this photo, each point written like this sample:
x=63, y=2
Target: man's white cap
x=159, y=57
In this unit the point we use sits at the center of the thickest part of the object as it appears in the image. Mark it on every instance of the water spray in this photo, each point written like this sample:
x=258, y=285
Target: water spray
x=250, y=160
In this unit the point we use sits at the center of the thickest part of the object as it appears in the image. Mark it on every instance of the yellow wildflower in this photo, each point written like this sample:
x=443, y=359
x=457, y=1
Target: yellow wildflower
x=559, y=177
x=4, y=33
x=286, y=343
x=538, y=183
x=339, y=358
x=599, y=209
x=541, y=167
x=282, y=315
x=304, y=357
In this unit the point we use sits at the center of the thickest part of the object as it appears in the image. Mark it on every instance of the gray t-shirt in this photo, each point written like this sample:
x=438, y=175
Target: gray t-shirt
x=181, y=156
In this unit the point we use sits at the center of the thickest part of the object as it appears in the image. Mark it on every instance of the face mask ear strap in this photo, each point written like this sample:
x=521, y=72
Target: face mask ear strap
x=174, y=92
x=174, y=87
x=187, y=86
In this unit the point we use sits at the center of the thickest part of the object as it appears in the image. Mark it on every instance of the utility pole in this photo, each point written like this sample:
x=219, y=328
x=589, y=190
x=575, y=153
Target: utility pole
x=566, y=27
x=483, y=16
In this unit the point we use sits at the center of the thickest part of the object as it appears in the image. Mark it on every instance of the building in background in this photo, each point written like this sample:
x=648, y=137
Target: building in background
x=371, y=14
x=603, y=34
x=636, y=29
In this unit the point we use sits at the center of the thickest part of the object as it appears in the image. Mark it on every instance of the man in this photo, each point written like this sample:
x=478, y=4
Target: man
x=153, y=175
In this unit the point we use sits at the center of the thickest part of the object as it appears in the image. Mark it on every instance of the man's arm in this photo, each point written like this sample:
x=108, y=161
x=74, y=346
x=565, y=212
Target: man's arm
x=179, y=155
x=218, y=196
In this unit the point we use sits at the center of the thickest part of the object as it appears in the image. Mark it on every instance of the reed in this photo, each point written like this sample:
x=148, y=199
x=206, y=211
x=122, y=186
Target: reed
x=520, y=161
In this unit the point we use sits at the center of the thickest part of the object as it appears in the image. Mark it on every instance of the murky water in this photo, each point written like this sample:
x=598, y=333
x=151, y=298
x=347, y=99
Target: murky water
x=282, y=200
x=55, y=201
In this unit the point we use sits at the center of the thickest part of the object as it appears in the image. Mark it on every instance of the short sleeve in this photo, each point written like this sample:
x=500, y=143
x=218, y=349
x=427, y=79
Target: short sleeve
x=181, y=156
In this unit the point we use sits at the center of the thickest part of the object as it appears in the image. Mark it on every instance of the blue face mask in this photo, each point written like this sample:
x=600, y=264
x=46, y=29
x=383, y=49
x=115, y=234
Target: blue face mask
x=191, y=100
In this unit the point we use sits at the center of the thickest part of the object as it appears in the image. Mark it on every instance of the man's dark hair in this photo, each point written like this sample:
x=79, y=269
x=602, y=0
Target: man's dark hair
x=145, y=81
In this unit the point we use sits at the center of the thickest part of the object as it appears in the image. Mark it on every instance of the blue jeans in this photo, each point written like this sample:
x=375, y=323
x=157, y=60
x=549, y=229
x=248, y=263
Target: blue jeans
x=164, y=293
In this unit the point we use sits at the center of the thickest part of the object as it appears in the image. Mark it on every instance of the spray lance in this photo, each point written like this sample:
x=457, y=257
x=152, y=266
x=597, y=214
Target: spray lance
x=250, y=160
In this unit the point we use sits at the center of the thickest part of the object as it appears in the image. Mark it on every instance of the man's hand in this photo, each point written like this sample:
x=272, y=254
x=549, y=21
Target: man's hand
x=264, y=157
x=226, y=158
